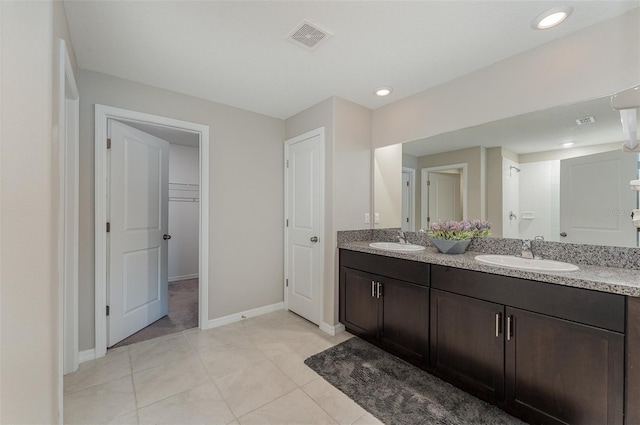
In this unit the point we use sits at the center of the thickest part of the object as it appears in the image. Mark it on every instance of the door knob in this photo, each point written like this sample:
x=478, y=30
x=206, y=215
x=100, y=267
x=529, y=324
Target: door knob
x=166, y=237
x=314, y=239
x=563, y=234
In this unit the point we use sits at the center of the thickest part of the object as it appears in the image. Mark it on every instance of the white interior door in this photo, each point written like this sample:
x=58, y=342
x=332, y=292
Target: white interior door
x=304, y=212
x=596, y=201
x=138, y=198
x=444, y=197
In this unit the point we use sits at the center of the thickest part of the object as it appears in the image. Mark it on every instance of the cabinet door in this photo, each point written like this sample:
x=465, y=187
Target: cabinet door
x=467, y=343
x=405, y=319
x=358, y=302
x=563, y=372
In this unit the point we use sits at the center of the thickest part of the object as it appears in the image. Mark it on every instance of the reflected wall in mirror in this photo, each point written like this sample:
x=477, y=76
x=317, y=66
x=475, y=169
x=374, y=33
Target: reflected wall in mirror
x=558, y=173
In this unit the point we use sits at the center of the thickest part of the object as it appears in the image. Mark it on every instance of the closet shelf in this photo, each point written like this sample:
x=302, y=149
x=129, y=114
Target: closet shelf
x=184, y=192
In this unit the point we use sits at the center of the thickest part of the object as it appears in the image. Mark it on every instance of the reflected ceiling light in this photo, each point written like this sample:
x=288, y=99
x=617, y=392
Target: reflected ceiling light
x=383, y=91
x=551, y=17
x=568, y=144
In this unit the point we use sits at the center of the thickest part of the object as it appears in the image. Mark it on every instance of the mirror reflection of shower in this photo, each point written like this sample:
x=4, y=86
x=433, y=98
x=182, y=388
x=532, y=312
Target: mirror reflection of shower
x=511, y=168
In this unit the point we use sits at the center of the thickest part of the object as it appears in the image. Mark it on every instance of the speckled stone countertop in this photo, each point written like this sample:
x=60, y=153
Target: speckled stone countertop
x=597, y=278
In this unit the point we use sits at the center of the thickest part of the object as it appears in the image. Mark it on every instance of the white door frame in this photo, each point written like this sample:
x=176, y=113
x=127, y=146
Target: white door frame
x=424, y=199
x=68, y=106
x=322, y=241
x=102, y=115
x=412, y=197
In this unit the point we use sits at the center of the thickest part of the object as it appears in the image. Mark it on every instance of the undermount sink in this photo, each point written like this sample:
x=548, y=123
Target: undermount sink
x=394, y=246
x=513, y=262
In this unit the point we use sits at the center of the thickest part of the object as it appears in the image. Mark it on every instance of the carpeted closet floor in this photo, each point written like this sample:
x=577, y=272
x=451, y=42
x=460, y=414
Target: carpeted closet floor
x=183, y=313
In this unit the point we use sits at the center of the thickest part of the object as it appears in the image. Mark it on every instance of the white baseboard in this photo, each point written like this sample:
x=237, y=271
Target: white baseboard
x=236, y=317
x=185, y=277
x=332, y=330
x=86, y=355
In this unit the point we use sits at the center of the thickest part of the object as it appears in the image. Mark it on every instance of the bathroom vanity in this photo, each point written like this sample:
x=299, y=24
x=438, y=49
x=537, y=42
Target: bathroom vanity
x=548, y=348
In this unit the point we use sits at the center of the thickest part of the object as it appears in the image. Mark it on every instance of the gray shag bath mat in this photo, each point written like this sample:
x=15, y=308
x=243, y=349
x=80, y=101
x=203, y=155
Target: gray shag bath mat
x=397, y=392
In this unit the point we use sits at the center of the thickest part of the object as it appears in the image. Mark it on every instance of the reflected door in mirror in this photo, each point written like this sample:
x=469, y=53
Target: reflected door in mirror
x=443, y=197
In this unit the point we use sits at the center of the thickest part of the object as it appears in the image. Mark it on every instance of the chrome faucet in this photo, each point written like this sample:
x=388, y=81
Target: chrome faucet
x=526, y=250
x=402, y=238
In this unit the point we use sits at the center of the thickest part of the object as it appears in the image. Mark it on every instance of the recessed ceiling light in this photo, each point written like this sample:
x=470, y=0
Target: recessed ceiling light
x=568, y=144
x=551, y=17
x=383, y=91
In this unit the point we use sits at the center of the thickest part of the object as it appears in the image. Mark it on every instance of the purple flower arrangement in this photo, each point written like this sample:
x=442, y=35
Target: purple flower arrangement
x=459, y=230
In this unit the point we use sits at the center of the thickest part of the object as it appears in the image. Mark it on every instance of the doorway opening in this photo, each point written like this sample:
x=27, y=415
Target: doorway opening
x=144, y=272
x=443, y=194
x=408, y=199
x=182, y=247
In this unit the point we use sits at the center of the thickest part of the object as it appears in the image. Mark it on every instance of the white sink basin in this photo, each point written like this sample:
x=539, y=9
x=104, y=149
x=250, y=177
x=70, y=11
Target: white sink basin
x=513, y=262
x=393, y=246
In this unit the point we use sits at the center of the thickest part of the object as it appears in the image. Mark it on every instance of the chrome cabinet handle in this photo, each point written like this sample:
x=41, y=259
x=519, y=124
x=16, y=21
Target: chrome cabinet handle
x=314, y=239
x=373, y=289
x=378, y=290
x=509, y=328
x=563, y=234
x=166, y=237
x=498, y=323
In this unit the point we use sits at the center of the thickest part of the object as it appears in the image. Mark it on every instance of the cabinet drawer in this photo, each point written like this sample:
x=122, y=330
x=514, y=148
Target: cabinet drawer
x=396, y=268
x=600, y=309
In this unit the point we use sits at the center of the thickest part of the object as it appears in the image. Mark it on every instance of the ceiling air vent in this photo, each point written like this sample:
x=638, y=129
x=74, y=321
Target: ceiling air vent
x=585, y=120
x=308, y=35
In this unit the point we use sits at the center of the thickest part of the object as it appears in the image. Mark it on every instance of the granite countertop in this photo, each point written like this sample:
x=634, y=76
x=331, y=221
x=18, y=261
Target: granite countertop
x=604, y=279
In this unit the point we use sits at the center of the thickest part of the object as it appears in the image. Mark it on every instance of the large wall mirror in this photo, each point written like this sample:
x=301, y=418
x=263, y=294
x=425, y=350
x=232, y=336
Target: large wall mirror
x=558, y=173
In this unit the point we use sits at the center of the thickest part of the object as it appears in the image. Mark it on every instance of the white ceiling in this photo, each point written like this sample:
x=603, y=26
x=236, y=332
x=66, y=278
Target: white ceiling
x=534, y=132
x=235, y=52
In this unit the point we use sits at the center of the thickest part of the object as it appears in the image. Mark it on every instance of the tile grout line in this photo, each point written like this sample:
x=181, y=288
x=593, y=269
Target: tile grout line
x=212, y=379
x=133, y=385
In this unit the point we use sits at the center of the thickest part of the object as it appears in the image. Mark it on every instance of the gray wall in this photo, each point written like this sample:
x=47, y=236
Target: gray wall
x=246, y=202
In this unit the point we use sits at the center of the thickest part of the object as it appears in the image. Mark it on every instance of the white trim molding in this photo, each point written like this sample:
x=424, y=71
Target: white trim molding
x=102, y=115
x=332, y=330
x=185, y=277
x=87, y=355
x=67, y=138
x=236, y=317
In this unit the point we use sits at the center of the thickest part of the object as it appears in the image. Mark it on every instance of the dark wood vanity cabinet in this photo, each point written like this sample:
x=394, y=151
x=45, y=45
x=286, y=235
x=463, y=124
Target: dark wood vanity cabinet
x=467, y=344
x=558, y=371
x=388, y=304
x=512, y=342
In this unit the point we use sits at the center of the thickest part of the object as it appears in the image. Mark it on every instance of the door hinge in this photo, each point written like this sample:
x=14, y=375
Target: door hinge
x=407, y=184
x=428, y=182
x=108, y=227
x=287, y=223
x=407, y=219
x=107, y=310
x=286, y=281
x=428, y=219
x=287, y=163
x=108, y=143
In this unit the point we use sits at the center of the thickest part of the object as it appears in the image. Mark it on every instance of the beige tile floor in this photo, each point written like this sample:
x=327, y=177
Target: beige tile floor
x=249, y=372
